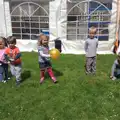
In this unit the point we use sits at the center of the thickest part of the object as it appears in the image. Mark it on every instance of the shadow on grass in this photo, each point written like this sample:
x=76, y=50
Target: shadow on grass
x=118, y=76
x=25, y=75
x=56, y=73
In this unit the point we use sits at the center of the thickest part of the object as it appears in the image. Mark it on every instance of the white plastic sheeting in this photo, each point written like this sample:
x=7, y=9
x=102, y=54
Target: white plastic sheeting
x=2, y=19
x=77, y=47
x=58, y=19
x=5, y=22
x=68, y=47
x=58, y=28
x=29, y=45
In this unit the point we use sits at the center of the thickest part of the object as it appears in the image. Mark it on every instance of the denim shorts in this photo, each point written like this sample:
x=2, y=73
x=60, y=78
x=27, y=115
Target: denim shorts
x=45, y=65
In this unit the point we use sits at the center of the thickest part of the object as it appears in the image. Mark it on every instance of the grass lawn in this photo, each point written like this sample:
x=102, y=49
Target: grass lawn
x=75, y=97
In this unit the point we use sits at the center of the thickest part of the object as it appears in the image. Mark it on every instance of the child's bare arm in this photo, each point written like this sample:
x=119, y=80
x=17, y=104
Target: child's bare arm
x=44, y=55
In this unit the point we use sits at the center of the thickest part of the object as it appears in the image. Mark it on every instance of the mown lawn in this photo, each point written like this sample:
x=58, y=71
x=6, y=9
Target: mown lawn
x=75, y=97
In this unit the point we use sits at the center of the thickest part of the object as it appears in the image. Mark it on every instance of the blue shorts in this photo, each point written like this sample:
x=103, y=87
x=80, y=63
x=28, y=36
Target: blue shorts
x=45, y=65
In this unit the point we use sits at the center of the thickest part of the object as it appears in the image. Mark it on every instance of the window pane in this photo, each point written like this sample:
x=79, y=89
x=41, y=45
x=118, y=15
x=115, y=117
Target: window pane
x=35, y=31
x=26, y=36
x=25, y=30
x=18, y=36
x=35, y=25
x=16, y=30
x=15, y=24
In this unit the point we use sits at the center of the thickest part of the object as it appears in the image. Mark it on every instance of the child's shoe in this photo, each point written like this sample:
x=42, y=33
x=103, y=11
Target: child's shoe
x=41, y=80
x=93, y=73
x=17, y=83
x=4, y=81
x=54, y=79
x=114, y=78
x=87, y=73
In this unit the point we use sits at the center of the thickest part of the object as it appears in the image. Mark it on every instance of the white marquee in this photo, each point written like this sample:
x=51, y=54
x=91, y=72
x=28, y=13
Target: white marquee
x=67, y=19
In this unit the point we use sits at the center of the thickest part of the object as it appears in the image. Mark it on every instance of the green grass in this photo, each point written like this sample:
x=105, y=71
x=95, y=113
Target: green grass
x=75, y=97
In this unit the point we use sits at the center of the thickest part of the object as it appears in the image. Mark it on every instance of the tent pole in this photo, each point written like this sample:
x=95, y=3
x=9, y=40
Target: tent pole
x=118, y=19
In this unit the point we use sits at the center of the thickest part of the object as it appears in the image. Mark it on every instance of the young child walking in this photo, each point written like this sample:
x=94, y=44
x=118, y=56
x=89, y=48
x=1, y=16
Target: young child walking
x=91, y=45
x=13, y=55
x=3, y=62
x=115, y=71
x=44, y=58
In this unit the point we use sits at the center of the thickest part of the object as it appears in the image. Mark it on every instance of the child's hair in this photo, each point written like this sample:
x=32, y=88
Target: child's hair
x=11, y=40
x=5, y=41
x=40, y=39
x=92, y=30
x=1, y=38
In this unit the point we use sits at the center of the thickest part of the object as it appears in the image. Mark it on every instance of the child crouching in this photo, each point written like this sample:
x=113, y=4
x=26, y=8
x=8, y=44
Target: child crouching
x=115, y=72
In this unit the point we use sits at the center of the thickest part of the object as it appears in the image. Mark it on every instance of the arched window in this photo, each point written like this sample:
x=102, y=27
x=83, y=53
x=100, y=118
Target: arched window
x=85, y=14
x=28, y=20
